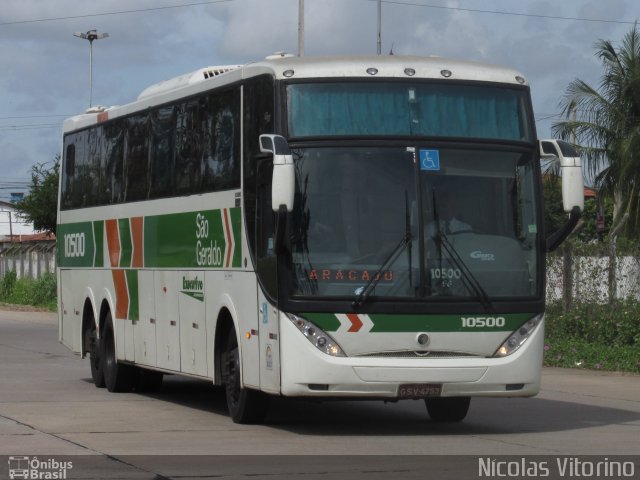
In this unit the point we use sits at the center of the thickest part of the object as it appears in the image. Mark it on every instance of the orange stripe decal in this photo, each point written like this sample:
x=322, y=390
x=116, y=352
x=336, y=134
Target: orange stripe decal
x=136, y=234
x=356, y=323
x=227, y=231
x=122, y=295
x=113, y=241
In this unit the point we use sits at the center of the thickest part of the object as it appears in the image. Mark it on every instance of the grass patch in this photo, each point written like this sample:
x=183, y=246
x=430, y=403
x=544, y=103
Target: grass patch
x=597, y=337
x=40, y=292
x=577, y=353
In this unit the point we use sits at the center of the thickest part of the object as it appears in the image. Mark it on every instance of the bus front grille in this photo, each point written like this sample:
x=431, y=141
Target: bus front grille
x=421, y=354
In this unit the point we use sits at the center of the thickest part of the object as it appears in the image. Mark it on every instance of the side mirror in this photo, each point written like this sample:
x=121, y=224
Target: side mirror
x=283, y=183
x=572, y=185
x=570, y=170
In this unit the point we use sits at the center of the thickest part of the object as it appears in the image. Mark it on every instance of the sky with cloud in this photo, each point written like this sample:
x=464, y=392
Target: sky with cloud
x=44, y=69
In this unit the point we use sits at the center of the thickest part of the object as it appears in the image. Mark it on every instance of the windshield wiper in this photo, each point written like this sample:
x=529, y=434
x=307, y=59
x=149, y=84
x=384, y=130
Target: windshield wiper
x=405, y=242
x=471, y=280
x=364, y=292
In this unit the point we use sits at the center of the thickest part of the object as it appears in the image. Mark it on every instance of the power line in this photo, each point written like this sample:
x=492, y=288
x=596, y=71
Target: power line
x=547, y=116
x=103, y=14
x=35, y=126
x=21, y=117
x=500, y=12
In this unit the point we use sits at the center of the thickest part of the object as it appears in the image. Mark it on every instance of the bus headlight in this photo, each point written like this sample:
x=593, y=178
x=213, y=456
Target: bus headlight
x=518, y=337
x=320, y=339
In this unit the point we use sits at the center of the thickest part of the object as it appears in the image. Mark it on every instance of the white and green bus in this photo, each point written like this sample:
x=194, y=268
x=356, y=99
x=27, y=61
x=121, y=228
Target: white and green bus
x=347, y=227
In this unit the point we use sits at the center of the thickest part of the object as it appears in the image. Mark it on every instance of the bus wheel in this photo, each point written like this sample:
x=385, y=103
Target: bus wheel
x=245, y=405
x=448, y=409
x=117, y=377
x=147, y=381
x=92, y=344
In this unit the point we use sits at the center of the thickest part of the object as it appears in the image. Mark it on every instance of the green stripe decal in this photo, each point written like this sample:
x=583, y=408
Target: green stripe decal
x=75, y=245
x=126, y=247
x=236, y=225
x=442, y=323
x=180, y=240
x=326, y=321
x=132, y=288
x=98, y=235
x=394, y=323
x=190, y=240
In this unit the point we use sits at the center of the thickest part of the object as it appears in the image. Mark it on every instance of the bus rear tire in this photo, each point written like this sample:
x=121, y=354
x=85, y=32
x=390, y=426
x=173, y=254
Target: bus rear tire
x=448, y=409
x=245, y=405
x=117, y=376
x=92, y=344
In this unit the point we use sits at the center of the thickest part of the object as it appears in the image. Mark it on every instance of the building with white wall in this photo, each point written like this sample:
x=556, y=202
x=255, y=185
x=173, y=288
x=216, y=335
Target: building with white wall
x=11, y=223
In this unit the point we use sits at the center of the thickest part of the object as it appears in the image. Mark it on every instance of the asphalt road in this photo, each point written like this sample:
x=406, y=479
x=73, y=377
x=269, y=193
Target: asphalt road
x=49, y=408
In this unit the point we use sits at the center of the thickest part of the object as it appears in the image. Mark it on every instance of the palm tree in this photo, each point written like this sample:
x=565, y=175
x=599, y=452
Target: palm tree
x=605, y=122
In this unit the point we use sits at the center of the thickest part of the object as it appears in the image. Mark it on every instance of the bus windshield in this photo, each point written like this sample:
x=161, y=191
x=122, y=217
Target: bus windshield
x=414, y=222
x=430, y=109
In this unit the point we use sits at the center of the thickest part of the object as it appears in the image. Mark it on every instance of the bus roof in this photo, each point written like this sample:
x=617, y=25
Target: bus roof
x=284, y=66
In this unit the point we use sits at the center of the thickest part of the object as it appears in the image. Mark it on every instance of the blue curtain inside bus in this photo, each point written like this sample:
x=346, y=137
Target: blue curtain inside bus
x=390, y=109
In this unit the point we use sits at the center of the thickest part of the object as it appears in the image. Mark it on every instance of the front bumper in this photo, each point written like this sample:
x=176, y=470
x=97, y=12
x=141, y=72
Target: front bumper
x=310, y=373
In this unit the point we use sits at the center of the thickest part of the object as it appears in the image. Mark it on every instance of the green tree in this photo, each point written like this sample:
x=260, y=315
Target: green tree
x=40, y=204
x=589, y=230
x=605, y=122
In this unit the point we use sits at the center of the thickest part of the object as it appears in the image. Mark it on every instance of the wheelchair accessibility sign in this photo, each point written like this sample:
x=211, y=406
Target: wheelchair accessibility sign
x=430, y=160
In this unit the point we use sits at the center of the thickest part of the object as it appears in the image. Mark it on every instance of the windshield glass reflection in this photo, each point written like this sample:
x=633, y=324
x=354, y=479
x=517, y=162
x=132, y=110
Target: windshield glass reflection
x=361, y=228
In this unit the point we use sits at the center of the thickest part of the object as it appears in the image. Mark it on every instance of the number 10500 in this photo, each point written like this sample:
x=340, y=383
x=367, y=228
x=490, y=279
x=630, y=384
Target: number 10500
x=479, y=322
x=74, y=245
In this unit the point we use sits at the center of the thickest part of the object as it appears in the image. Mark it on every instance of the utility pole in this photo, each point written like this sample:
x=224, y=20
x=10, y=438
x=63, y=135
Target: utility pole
x=10, y=227
x=301, y=28
x=379, y=27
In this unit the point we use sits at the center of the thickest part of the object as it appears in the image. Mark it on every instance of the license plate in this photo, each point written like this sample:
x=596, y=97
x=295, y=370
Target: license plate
x=420, y=390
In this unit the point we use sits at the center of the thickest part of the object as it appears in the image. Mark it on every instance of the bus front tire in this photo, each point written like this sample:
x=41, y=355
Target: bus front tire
x=92, y=344
x=447, y=409
x=245, y=405
x=117, y=376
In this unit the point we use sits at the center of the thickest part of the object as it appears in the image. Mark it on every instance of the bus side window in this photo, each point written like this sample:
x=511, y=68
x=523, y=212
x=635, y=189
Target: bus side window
x=92, y=169
x=68, y=173
x=162, y=161
x=222, y=159
x=81, y=180
x=112, y=158
x=191, y=131
x=136, y=158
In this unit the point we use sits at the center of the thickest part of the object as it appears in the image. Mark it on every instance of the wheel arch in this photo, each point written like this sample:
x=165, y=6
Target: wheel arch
x=224, y=324
x=88, y=319
x=105, y=307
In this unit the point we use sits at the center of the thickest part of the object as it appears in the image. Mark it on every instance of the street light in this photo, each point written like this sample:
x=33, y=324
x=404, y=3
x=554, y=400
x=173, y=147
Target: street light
x=91, y=35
